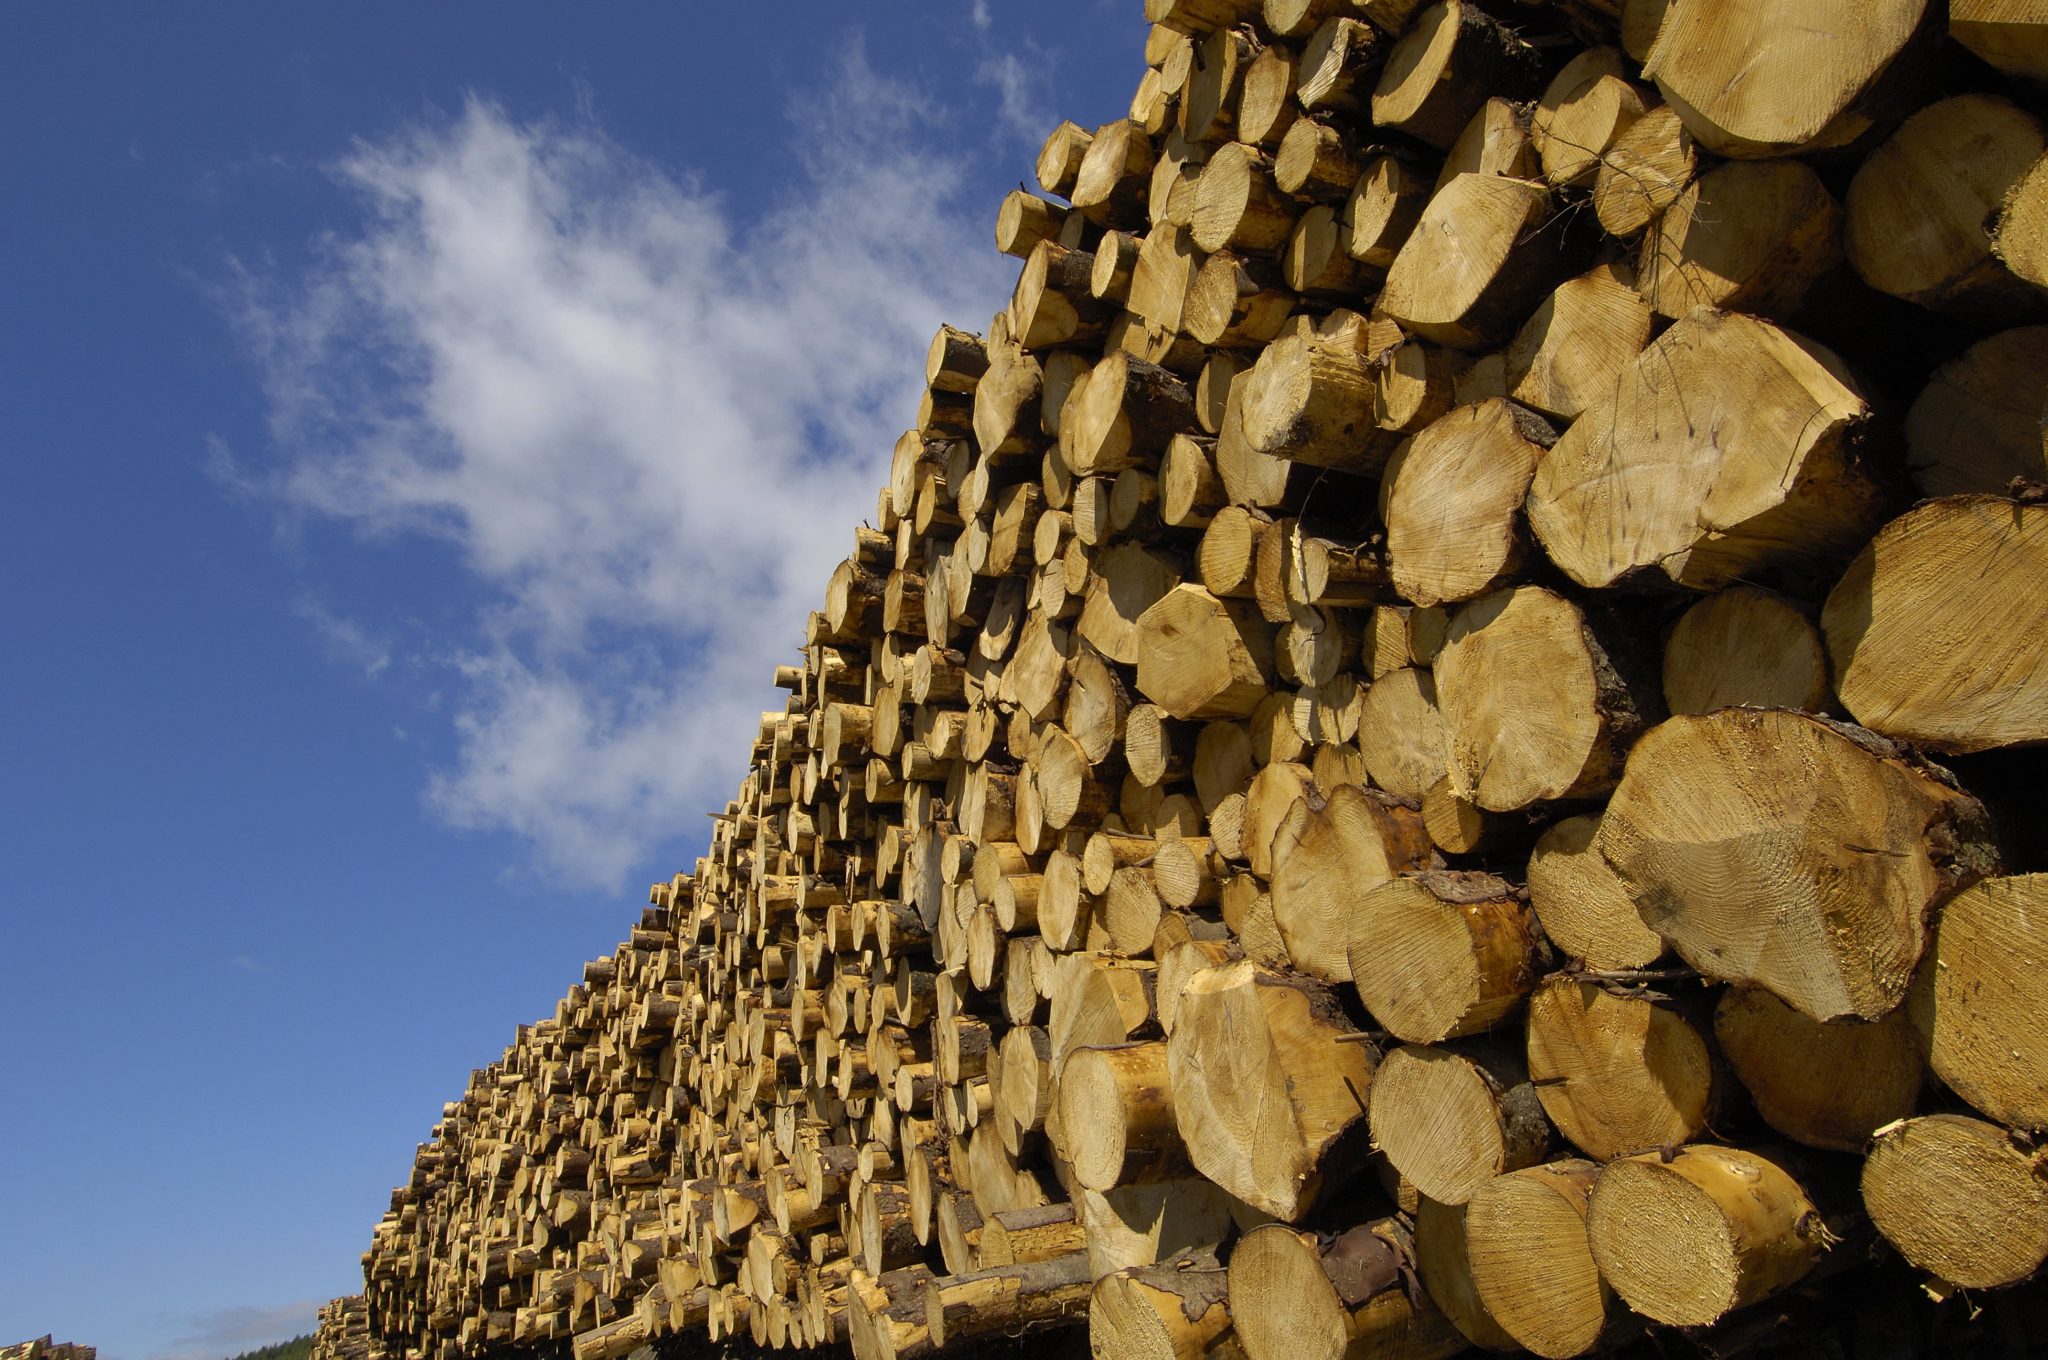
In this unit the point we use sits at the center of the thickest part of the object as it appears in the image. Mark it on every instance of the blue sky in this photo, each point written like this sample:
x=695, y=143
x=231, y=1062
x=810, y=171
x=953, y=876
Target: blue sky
x=420, y=427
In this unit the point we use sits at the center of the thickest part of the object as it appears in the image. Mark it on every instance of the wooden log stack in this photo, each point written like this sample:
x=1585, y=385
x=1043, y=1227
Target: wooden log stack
x=1435, y=742
x=344, y=1330
x=43, y=1348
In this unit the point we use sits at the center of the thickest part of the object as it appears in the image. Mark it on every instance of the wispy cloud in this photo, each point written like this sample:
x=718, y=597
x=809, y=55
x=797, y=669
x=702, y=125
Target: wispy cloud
x=248, y=963
x=1021, y=90
x=647, y=423
x=1023, y=84
x=230, y=1331
x=348, y=641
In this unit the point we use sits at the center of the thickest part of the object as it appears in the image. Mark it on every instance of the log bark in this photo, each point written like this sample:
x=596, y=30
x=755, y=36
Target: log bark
x=955, y=361
x=1011, y=1299
x=1175, y=1310
x=885, y=1315
x=1123, y=415
x=614, y=1339
x=1045, y=1232
x=1310, y=400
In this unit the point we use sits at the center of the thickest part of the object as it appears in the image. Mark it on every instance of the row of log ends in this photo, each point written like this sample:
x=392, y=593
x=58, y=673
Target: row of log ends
x=1435, y=742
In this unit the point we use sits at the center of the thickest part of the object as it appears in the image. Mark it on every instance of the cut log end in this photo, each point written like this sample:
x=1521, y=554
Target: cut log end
x=1852, y=843
x=1979, y=1001
x=1959, y=1199
x=1266, y=1098
x=1687, y=1240
x=1531, y=1260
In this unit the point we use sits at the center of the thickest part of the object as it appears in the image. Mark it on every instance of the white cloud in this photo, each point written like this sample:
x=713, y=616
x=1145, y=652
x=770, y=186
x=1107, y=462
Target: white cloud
x=1020, y=91
x=1023, y=84
x=348, y=641
x=647, y=422
x=230, y=1331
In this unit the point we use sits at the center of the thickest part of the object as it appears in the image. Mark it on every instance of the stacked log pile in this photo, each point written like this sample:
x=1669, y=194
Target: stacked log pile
x=43, y=1348
x=343, y=1332
x=1428, y=747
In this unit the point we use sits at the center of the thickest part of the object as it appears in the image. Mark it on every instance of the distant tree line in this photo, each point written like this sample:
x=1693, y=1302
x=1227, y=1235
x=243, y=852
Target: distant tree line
x=298, y=1348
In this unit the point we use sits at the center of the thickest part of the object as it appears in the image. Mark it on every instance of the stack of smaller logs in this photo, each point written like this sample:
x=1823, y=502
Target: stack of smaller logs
x=43, y=1348
x=344, y=1330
